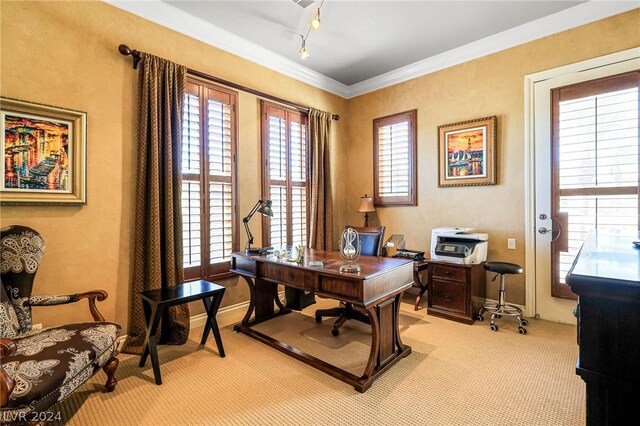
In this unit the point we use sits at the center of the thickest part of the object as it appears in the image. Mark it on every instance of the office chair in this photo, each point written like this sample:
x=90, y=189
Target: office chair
x=371, y=240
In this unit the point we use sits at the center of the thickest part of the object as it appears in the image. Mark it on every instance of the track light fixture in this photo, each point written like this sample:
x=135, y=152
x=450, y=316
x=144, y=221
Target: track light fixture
x=314, y=24
x=304, y=53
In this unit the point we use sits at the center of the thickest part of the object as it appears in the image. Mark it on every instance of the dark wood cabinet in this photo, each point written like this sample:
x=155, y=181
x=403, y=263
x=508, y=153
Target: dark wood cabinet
x=606, y=278
x=455, y=292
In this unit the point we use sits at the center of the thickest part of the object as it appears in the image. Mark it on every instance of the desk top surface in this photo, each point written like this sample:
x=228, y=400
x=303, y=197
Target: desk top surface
x=607, y=259
x=194, y=289
x=371, y=265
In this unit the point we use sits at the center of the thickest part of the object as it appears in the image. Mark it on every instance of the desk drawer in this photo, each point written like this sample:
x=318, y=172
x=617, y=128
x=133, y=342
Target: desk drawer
x=287, y=274
x=455, y=273
x=449, y=295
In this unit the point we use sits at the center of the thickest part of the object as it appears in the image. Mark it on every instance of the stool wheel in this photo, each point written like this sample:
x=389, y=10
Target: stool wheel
x=479, y=317
x=498, y=316
x=335, y=331
x=522, y=330
x=318, y=318
x=524, y=323
x=493, y=327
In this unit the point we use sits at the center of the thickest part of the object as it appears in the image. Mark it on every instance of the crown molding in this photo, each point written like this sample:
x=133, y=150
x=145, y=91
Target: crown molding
x=581, y=14
x=171, y=17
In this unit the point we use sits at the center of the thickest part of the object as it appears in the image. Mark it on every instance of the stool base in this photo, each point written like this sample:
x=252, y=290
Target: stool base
x=500, y=308
x=497, y=311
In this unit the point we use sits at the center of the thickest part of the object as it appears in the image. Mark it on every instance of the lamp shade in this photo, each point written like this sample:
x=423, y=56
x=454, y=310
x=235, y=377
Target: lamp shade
x=266, y=209
x=366, y=205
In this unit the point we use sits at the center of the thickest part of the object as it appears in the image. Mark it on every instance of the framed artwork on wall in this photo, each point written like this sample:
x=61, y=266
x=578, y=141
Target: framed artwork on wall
x=467, y=153
x=44, y=151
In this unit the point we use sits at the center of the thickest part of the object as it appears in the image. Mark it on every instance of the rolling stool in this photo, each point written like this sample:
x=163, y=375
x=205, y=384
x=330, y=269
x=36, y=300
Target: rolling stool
x=501, y=308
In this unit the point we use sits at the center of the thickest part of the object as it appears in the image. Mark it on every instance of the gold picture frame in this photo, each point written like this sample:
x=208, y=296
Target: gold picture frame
x=44, y=151
x=467, y=153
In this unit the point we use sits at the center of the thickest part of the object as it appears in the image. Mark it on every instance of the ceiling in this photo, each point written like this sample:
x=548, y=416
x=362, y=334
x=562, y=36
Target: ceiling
x=358, y=40
x=363, y=45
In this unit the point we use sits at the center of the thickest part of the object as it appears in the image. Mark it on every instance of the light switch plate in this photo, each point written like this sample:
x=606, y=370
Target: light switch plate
x=511, y=243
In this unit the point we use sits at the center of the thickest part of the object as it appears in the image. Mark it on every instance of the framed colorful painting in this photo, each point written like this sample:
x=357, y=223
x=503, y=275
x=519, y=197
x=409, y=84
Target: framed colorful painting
x=467, y=153
x=44, y=151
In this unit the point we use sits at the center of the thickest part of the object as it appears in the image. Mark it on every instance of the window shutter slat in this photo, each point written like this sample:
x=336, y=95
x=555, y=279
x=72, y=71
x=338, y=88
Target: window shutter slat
x=279, y=220
x=191, y=223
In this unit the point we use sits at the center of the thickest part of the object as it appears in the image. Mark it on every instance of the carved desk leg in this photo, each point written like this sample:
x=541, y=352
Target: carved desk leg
x=386, y=346
x=252, y=302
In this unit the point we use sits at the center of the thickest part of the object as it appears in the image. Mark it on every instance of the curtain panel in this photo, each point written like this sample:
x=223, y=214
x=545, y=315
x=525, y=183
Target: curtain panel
x=321, y=214
x=158, y=214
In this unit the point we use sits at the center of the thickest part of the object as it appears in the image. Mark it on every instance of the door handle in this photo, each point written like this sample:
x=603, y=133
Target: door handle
x=542, y=230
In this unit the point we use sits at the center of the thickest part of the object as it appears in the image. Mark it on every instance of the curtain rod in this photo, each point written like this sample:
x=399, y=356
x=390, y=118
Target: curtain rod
x=126, y=51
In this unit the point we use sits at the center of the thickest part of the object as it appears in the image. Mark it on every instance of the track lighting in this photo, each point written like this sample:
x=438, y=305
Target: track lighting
x=304, y=53
x=315, y=22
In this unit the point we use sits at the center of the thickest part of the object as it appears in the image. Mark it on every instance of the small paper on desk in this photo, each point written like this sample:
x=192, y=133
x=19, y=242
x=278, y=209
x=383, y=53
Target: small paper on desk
x=316, y=264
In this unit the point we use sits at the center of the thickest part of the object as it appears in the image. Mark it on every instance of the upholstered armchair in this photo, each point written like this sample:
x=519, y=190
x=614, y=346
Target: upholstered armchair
x=41, y=368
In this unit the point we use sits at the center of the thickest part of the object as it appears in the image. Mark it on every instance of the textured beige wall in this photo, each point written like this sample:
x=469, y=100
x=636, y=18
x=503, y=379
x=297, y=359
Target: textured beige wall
x=65, y=54
x=491, y=85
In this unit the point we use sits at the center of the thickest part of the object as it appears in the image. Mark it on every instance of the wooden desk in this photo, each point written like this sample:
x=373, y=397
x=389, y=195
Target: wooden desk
x=156, y=302
x=606, y=277
x=376, y=290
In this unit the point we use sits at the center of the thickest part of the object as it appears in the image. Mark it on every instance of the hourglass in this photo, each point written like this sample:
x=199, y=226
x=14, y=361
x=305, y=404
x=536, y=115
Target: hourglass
x=349, y=247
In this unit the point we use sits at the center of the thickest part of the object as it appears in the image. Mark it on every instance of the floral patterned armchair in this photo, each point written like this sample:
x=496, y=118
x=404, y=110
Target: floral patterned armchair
x=41, y=368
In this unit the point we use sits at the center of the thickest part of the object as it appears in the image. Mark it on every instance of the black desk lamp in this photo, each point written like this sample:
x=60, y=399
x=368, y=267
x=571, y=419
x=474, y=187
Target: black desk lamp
x=263, y=207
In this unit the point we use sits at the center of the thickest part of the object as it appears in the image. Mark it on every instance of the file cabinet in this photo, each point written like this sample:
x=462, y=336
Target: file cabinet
x=455, y=292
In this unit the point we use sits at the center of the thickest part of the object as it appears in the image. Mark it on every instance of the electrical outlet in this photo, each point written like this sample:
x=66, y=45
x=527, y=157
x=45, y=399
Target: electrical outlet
x=511, y=243
x=36, y=327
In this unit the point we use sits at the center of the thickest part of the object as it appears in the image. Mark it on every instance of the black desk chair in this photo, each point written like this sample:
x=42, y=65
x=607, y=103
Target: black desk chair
x=371, y=240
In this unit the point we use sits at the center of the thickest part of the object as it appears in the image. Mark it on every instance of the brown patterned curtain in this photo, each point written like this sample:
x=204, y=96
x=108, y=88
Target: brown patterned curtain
x=321, y=217
x=158, y=226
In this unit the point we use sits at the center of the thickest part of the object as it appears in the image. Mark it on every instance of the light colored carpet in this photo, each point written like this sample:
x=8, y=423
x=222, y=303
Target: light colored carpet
x=456, y=375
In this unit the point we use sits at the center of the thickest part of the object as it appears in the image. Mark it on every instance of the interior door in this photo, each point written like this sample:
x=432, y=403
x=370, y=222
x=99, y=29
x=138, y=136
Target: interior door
x=586, y=136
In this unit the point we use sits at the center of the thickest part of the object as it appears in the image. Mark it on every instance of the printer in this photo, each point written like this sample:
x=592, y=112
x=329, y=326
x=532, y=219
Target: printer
x=458, y=245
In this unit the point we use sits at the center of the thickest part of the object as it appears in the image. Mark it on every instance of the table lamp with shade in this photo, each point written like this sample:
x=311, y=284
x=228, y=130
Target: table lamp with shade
x=263, y=207
x=366, y=207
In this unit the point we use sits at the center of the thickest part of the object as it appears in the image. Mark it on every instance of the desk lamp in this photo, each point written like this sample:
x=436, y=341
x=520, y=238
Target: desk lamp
x=366, y=207
x=263, y=207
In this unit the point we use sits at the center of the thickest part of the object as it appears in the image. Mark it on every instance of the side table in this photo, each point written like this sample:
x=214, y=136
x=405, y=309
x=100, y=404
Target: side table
x=417, y=281
x=156, y=302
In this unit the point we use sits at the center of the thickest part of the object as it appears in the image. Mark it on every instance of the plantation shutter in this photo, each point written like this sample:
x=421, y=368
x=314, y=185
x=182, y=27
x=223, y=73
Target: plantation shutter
x=394, y=160
x=596, y=159
x=285, y=154
x=208, y=190
x=191, y=187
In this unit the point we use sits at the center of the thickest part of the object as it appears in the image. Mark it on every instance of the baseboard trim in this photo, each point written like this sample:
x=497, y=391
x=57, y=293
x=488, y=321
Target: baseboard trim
x=234, y=313
x=226, y=316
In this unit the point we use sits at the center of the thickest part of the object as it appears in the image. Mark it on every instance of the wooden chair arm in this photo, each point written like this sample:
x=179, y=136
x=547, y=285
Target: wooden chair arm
x=92, y=296
x=7, y=348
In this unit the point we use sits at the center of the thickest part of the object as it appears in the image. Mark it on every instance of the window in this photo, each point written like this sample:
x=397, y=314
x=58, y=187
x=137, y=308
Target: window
x=394, y=160
x=285, y=154
x=595, y=160
x=209, y=138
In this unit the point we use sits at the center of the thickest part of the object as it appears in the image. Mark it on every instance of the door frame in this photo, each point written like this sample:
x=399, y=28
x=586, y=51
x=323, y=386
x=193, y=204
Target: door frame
x=529, y=157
